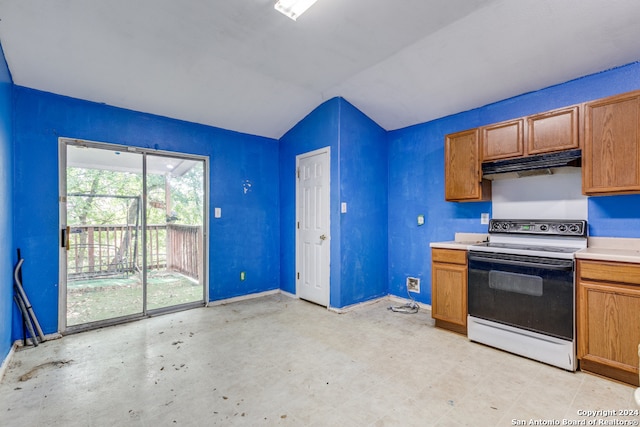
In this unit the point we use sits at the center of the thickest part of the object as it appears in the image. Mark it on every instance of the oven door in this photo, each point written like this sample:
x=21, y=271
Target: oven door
x=532, y=293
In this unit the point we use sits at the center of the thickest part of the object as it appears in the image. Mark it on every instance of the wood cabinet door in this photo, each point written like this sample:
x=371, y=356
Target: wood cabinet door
x=503, y=140
x=611, y=152
x=553, y=131
x=449, y=293
x=609, y=329
x=462, y=173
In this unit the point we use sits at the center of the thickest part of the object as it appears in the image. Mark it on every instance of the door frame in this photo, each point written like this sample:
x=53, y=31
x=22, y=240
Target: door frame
x=298, y=243
x=63, y=142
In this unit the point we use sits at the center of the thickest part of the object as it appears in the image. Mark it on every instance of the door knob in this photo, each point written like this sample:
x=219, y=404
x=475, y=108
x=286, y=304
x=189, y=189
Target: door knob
x=323, y=237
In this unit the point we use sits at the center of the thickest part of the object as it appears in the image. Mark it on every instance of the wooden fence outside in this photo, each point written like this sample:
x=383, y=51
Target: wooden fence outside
x=109, y=250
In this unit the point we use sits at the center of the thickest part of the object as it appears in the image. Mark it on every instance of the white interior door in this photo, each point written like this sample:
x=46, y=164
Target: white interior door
x=313, y=247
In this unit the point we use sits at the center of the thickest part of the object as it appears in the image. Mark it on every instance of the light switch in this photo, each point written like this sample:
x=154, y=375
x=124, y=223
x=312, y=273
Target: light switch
x=343, y=207
x=217, y=212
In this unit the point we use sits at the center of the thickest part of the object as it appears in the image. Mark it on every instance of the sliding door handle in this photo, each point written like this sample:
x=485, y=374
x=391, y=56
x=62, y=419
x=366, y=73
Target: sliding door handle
x=64, y=237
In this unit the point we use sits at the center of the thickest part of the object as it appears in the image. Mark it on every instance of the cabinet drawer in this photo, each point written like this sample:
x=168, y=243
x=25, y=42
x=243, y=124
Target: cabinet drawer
x=609, y=271
x=450, y=256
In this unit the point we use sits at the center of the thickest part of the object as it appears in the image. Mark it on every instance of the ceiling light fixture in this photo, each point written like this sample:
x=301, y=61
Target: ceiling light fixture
x=293, y=8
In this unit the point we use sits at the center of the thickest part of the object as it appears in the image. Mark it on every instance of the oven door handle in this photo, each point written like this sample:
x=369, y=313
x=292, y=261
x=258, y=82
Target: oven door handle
x=564, y=266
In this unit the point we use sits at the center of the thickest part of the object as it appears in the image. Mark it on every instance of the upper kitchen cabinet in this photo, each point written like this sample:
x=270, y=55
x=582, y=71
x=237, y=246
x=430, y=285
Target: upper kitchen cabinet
x=462, y=172
x=611, y=151
x=503, y=140
x=551, y=131
x=547, y=132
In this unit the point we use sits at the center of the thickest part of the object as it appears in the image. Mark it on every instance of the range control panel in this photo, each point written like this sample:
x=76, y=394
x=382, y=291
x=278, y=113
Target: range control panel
x=543, y=227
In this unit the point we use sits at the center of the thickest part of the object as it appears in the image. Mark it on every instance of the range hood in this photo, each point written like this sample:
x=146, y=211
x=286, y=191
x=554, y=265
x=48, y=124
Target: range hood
x=541, y=164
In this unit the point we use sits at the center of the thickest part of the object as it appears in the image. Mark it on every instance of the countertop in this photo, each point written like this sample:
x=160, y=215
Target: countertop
x=598, y=248
x=611, y=249
x=462, y=241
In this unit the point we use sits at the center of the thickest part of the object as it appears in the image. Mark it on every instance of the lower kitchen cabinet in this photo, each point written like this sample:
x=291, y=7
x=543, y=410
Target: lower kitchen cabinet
x=449, y=289
x=608, y=319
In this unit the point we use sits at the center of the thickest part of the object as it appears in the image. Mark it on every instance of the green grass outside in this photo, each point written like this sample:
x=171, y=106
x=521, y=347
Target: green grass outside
x=91, y=300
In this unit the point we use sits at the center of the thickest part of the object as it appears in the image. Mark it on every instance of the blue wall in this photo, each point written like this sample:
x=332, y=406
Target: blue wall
x=416, y=177
x=358, y=176
x=387, y=179
x=7, y=253
x=416, y=187
x=318, y=129
x=614, y=216
x=244, y=239
x=363, y=228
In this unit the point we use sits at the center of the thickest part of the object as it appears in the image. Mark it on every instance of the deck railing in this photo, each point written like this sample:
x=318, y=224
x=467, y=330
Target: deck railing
x=107, y=250
x=184, y=250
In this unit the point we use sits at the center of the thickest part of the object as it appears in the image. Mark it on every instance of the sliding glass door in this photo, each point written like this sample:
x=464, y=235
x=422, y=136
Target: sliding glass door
x=133, y=233
x=175, y=219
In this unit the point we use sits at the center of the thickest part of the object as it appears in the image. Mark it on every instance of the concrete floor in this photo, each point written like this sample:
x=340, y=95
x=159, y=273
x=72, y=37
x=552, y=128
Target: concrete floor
x=275, y=360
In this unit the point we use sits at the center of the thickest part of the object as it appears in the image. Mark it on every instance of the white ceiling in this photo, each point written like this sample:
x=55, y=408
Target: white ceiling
x=241, y=65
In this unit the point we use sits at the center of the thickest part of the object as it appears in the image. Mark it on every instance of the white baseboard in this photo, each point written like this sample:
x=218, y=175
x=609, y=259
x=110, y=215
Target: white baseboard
x=47, y=337
x=243, y=298
x=400, y=300
x=55, y=336
x=348, y=308
x=289, y=294
x=7, y=360
x=352, y=307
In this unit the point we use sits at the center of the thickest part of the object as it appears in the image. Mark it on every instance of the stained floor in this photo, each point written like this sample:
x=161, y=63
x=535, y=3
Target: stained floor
x=275, y=360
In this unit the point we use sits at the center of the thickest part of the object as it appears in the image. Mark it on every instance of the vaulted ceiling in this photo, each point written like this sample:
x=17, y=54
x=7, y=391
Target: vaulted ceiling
x=241, y=65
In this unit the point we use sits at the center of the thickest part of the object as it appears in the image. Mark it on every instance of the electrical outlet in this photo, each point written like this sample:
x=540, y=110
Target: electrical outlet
x=484, y=218
x=413, y=284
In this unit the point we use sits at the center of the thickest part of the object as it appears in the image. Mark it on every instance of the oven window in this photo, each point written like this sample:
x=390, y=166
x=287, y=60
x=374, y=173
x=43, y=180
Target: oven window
x=521, y=293
x=515, y=282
